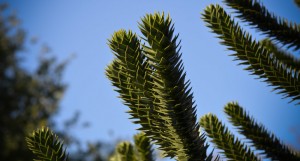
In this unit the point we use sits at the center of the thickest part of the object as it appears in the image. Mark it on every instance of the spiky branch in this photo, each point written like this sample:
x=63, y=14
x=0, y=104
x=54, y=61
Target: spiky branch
x=286, y=58
x=151, y=81
x=172, y=94
x=143, y=147
x=258, y=134
x=259, y=60
x=257, y=15
x=140, y=151
x=124, y=152
x=46, y=146
x=231, y=147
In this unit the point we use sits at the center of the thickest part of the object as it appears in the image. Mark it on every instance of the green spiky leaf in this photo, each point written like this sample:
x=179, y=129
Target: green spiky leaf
x=259, y=60
x=286, y=58
x=46, y=146
x=231, y=147
x=257, y=15
x=143, y=147
x=258, y=134
x=124, y=152
x=151, y=81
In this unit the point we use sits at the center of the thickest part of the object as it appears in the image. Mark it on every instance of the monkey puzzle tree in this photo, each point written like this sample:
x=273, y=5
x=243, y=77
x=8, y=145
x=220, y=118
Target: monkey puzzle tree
x=149, y=75
x=151, y=81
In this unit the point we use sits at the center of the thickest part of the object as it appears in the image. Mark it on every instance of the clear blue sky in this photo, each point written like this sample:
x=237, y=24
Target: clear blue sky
x=83, y=27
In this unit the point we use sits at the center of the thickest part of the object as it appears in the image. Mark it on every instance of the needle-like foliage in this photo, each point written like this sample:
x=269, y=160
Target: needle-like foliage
x=124, y=152
x=276, y=66
x=128, y=72
x=259, y=60
x=231, y=147
x=257, y=15
x=258, y=134
x=140, y=151
x=149, y=76
x=287, y=59
x=151, y=81
x=143, y=147
x=46, y=146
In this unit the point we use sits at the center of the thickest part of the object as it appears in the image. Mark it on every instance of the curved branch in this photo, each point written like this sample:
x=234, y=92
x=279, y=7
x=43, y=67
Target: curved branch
x=258, y=134
x=259, y=60
x=151, y=82
x=172, y=95
x=257, y=15
x=232, y=148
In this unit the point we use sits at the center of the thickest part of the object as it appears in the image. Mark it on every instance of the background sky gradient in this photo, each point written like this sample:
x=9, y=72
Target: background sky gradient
x=83, y=27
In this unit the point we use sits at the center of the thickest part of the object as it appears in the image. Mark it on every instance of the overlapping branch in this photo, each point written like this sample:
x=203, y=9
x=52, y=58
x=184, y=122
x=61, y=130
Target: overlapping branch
x=257, y=15
x=151, y=81
x=231, y=147
x=259, y=60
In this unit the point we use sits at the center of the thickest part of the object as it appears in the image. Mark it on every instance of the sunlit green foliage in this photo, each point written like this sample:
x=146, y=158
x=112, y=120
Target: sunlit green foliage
x=151, y=81
x=258, y=135
x=275, y=27
x=46, y=146
x=144, y=147
x=259, y=60
x=231, y=146
x=148, y=74
x=140, y=151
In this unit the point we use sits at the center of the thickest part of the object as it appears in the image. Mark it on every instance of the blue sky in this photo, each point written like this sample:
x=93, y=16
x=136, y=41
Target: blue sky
x=74, y=26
